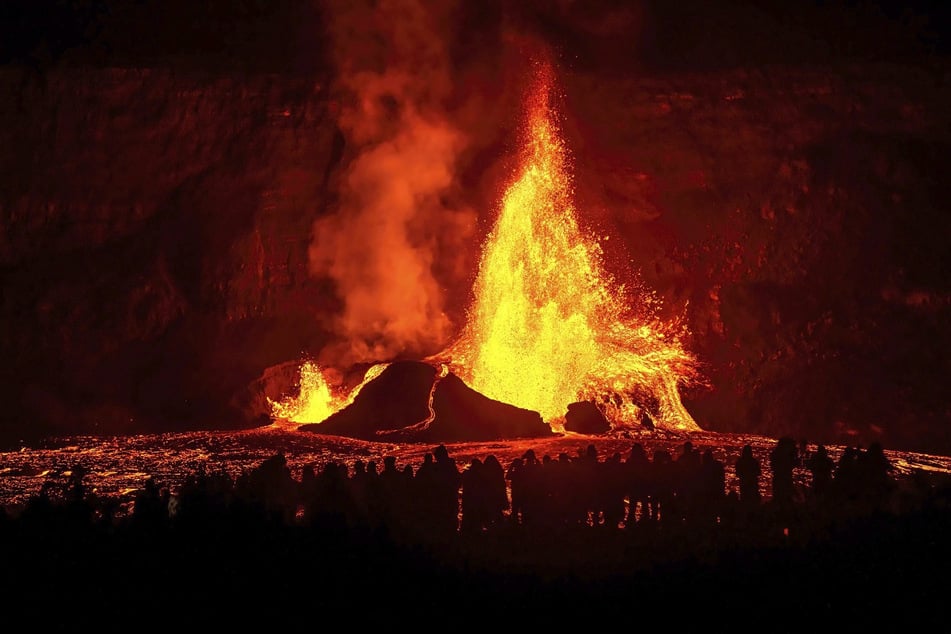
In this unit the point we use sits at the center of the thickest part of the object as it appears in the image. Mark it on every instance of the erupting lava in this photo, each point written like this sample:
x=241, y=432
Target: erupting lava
x=317, y=399
x=547, y=326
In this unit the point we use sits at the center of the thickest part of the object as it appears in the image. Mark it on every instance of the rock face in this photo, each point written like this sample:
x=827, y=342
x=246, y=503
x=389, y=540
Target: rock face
x=464, y=414
x=584, y=417
x=155, y=222
x=154, y=229
x=396, y=406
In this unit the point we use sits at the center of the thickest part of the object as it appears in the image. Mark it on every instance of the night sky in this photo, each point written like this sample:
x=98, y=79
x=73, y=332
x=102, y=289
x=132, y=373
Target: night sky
x=775, y=171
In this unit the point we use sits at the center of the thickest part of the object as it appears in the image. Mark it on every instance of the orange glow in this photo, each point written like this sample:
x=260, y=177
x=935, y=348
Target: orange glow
x=547, y=325
x=317, y=399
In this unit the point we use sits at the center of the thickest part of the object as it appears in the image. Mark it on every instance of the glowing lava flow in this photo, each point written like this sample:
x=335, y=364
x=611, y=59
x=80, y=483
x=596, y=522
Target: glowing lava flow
x=546, y=328
x=316, y=400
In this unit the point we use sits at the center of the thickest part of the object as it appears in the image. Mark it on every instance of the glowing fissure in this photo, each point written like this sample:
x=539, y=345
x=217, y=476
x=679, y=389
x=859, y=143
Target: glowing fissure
x=426, y=422
x=547, y=327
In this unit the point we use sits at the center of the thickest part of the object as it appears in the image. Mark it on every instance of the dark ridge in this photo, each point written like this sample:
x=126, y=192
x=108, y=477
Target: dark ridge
x=395, y=405
x=463, y=414
x=398, y=398
x=241, y=36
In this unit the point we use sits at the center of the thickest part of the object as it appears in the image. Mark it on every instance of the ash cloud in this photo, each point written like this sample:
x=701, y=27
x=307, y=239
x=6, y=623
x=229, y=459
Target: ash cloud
x=399, y=227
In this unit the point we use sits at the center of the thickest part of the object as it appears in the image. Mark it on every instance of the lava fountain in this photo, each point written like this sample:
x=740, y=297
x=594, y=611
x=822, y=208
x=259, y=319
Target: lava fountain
x=317, y=398
x=547, y=325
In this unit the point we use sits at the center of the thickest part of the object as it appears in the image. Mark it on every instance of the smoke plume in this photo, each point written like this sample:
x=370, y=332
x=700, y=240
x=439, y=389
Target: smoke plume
x=395, y=219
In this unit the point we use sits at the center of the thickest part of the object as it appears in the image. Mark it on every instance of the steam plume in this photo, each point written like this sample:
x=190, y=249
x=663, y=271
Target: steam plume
x=393, y=225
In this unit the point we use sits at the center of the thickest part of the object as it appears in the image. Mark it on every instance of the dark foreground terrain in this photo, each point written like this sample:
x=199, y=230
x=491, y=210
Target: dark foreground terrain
x=268, y=550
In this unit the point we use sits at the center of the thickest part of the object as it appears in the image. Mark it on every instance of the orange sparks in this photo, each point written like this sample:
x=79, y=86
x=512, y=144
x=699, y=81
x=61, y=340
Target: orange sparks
x=547, y=326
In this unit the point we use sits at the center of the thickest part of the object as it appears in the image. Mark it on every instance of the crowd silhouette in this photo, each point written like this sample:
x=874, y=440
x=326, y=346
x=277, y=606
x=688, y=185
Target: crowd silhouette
x=566, y=516
x=440, y=499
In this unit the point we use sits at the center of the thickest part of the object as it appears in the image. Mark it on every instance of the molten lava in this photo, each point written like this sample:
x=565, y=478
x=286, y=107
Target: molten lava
x=317, y=399
x=547, y=326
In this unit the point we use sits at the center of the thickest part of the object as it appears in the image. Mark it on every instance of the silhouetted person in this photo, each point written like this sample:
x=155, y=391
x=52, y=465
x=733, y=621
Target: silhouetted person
x=150, y=510
x=79, y=510
x=497, y=498
x=39, y=510
x=686, y=481
x=484, y=498
x=748, y=471
x=332, y=506
x=783, y=459
x=583, y=487
x=847, y=478
x=712, y=490
x=395, y=486
x=564, y=499
x=307, y=488
x=821, y=466
x=359, y=493
x=875, y=474
x=530, y=482
x=447, y=481
x=473, y=498
x=637, y=469
x=515, y=476
x=375, y=497
x=76, y=488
